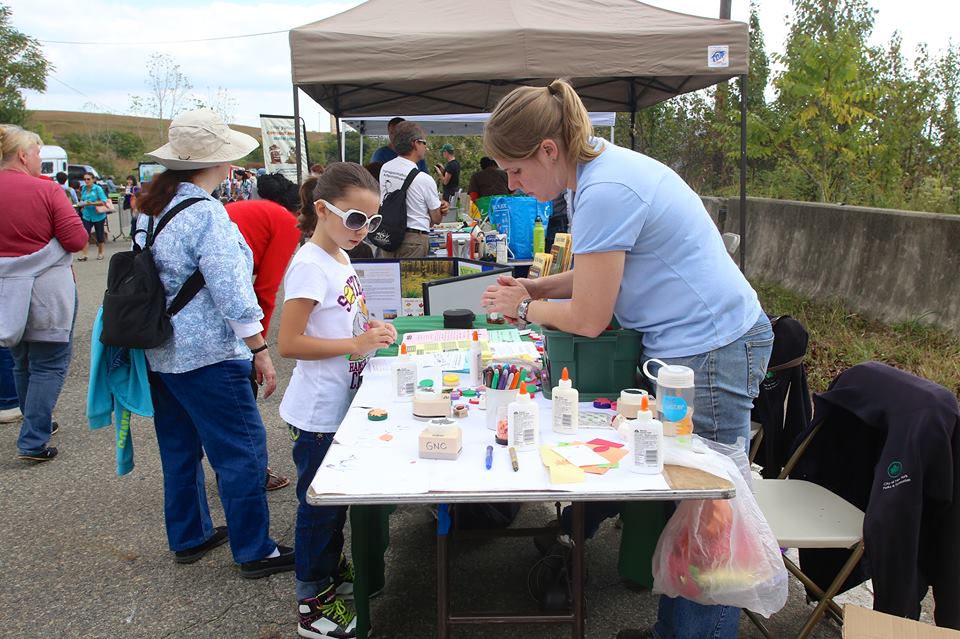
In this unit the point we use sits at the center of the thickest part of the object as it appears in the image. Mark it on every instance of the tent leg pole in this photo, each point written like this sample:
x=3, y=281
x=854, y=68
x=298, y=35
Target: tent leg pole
x=743, y=174
x=339, y=138
x=360, y=161
x=296, y=135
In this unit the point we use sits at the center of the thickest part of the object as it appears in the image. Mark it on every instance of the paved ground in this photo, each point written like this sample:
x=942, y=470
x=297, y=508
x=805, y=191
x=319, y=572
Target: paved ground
x=83, y=552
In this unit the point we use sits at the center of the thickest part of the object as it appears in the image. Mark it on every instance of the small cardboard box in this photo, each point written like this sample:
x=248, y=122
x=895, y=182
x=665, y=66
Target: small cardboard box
x=440, y=443
x=860, y=623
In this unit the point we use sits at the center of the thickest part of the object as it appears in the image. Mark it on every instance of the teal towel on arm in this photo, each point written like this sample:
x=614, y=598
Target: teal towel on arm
x=118, y=389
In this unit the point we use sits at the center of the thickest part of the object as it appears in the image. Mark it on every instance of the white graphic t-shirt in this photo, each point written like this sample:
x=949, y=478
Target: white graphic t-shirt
x=320, y=391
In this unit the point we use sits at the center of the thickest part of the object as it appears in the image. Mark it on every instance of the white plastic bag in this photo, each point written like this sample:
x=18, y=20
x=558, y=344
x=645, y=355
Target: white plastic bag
x=721, y=551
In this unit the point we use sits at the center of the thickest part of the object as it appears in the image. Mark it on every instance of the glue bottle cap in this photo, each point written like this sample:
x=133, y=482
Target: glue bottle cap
x=565, y=379
x=476, y=337
x=523, y=393
x=403, y=349
x=644, y=412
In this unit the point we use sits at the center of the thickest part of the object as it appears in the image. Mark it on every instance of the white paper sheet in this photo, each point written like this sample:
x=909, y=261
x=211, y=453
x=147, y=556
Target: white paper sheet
x=580, y=455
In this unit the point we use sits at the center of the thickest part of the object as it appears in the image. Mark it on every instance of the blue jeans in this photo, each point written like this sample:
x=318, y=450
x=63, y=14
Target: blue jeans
x=727, y=381
x=8, y=387
x=212, y=409
x=40, y=369
x=319, y=535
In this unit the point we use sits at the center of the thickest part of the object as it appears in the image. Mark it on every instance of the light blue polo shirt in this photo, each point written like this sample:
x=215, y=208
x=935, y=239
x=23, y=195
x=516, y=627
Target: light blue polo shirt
x=680, y=288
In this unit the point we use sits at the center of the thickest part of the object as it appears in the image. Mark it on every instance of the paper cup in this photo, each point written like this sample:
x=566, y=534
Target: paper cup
x=497, y=402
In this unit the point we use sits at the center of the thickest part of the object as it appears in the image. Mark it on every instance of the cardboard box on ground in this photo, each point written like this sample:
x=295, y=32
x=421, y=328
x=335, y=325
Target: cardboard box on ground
x=860, y=623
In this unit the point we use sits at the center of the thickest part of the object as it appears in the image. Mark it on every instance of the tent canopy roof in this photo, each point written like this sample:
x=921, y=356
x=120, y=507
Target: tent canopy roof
x=460, y=124
x=440, y=57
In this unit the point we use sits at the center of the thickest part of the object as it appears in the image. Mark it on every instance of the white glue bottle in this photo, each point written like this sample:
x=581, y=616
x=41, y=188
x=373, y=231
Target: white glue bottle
x=646, y=442
x=566, y=406
x=523, y=422
x=404, y=376
x=476, y=362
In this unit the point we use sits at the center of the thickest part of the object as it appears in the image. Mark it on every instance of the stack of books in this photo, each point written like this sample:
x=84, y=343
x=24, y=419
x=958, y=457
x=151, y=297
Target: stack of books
x=556, y=261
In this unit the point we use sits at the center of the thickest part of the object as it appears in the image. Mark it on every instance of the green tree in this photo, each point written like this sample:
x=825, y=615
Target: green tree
x=22, y=66
x=821, y=122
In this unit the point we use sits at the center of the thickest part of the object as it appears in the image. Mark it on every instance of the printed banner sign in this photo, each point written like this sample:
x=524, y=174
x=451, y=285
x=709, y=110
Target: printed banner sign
x=279, y=146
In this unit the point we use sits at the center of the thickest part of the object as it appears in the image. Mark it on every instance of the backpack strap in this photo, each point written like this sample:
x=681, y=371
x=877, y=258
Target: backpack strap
x=410, y=177
x=186, y=293
x=195, y=282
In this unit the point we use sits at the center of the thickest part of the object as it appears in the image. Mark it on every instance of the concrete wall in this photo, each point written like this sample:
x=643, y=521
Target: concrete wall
x=888, y=264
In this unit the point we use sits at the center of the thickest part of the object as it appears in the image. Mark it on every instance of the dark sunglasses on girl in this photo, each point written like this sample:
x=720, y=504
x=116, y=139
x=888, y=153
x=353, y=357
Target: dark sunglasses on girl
x=354, y=219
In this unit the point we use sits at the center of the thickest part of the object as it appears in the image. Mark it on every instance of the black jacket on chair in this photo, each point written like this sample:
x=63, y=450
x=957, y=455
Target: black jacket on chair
x=783, y=405
x=890, y=445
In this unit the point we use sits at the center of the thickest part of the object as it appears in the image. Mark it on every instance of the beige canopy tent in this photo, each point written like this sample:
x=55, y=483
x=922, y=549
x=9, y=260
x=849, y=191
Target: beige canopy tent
x=440, y=56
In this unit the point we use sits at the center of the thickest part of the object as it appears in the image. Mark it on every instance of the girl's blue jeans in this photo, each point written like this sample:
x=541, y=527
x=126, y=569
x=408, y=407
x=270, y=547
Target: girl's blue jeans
x=212, y=409
x=319, y=532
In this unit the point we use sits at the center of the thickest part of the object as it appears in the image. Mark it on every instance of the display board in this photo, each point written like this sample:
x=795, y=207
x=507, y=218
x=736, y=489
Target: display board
x=395, y=287
x=460, y=292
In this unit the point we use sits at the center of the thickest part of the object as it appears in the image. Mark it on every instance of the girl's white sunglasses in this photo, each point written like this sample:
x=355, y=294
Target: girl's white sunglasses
x=354, y=219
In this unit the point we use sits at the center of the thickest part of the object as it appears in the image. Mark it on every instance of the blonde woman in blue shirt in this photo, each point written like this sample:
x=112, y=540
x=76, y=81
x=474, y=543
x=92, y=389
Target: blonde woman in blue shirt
x=92, y=196
x=646, y=252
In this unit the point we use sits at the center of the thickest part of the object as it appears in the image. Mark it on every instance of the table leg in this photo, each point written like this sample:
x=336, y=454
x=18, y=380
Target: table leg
x=368, y=543
x=578, y=571
x=443, y=571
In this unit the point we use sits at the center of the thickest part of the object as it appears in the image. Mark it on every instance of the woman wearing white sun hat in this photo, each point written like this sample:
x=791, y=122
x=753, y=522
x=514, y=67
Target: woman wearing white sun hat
x=200, y=378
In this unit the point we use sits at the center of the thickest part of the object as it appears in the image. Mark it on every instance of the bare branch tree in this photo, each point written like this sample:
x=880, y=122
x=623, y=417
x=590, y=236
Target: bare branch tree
x=220, y=102
x=168, y=90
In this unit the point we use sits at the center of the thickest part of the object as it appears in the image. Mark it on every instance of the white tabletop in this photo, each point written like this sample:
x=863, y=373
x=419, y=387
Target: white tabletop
x=376, y=462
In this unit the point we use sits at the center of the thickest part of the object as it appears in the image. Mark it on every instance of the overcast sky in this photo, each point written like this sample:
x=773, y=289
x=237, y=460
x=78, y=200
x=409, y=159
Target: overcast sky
x=255, y=71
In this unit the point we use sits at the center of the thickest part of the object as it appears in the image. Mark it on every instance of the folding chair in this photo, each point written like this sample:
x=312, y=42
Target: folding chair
x=802, y=514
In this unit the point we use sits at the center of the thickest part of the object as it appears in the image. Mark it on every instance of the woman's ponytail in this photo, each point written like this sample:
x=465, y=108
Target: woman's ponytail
x=527, y=116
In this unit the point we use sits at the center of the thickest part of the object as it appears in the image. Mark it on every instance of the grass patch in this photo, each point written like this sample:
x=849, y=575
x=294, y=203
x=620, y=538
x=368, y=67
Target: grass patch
x=840, y=338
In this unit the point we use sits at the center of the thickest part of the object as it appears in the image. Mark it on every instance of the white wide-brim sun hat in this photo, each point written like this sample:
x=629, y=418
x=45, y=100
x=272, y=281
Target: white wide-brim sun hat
x=199, y=139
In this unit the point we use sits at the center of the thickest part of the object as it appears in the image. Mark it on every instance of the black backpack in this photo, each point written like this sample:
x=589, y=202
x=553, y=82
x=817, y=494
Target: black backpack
x=393, y=227
x=135, y=314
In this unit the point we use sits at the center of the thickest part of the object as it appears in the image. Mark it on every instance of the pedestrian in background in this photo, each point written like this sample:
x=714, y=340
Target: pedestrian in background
x=129, y=202
x=39, y=231
x=199, y=379
x=91, y=197
x=269, y=226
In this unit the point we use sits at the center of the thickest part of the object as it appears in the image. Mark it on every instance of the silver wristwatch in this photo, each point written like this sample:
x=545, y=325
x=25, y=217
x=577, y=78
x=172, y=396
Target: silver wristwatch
x=522, y=309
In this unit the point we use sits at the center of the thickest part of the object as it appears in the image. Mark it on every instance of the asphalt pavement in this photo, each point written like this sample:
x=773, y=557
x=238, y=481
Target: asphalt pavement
x=83, y=552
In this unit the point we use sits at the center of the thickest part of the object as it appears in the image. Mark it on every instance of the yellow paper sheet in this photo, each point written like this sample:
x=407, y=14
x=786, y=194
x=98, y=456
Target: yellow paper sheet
x=561, y=471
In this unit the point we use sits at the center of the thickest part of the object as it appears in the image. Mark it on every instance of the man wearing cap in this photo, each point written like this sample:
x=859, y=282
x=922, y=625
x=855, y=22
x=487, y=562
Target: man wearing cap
x=387, y=152
x=449, y=174
x=424, y=208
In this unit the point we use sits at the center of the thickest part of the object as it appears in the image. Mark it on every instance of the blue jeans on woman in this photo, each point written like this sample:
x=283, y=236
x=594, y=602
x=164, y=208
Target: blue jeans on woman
x=40, y=369
x=212, y=409
x=319, y=532
x=727, y=381
x=8, y=387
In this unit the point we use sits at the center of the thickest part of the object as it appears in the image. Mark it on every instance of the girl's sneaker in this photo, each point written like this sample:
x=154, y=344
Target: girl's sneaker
x=326, y=615
x=343, y=580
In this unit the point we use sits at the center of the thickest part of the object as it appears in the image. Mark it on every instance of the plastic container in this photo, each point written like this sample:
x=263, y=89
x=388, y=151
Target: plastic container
x=566, y=409
x=404, y=376
x=497, y=402
x=523, y=422
x=602, y=366
x=630, y=401
x=675, y=396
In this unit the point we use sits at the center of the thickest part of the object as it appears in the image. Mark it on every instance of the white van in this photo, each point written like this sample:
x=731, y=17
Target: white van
x=53, y=159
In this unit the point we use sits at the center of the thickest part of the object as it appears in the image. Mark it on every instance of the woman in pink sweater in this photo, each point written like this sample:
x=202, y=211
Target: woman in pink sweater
x=34, y=213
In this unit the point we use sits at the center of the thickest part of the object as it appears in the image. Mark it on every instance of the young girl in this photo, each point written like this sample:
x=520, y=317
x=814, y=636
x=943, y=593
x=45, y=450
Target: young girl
x=325, y=326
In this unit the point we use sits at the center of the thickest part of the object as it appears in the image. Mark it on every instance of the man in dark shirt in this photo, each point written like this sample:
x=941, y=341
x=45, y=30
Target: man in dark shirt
x=450, y=173
x=386, y=153
x=489, y=180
